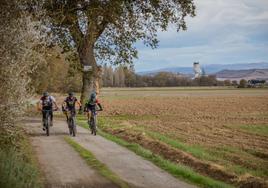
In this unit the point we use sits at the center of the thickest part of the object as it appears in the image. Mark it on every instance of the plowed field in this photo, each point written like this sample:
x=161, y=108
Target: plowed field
x=224, y=130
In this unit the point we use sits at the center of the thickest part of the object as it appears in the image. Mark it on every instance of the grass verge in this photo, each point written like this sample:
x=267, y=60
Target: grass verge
x=178, y=171
x=18, y=165
x=97, y=165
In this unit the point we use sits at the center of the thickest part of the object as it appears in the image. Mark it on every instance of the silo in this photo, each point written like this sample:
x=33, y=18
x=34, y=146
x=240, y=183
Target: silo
x=197, y=70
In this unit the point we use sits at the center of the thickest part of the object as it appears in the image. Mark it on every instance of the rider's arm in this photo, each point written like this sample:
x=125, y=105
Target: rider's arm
x=56, y=105
x=63, y=106
x=100, y=106
x=54, y=102
x=79, y=103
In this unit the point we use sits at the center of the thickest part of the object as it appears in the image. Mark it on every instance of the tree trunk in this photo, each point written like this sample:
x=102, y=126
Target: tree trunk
x=87, y=86
x=97, y=79
x=87, y=58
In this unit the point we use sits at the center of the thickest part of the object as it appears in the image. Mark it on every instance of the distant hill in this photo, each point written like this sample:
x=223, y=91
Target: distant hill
x=209, y=69
x=260, y=74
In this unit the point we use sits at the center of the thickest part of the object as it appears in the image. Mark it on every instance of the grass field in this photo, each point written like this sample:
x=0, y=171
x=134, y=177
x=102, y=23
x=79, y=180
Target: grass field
x=219, y=132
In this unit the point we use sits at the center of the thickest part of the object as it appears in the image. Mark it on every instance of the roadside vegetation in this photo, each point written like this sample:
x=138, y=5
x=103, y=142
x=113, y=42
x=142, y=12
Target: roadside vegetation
x=18, y=165
x=19, y=55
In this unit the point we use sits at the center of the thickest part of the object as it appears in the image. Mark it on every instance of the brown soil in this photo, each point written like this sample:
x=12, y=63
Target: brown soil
x=180, y=157
x=212, y=122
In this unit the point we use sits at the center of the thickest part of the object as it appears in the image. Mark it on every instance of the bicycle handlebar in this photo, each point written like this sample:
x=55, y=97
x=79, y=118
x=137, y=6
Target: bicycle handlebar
x=49, y=110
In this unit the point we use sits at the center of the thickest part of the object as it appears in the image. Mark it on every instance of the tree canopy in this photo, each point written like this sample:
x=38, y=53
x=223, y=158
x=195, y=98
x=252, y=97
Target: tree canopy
x=113, y=26
x=107, y=30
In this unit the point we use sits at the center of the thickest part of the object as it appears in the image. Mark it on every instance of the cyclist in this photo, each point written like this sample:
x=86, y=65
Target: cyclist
x=46, y=104
x=69, y=104
x=91, y=105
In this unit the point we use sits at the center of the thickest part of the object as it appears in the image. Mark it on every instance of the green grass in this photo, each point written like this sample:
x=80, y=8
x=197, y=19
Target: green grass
x=97, y=165
x=256, y=129
x=196, y=151
x=18, y=165
x=178, y=171
x=225, y=152
x=16, y=172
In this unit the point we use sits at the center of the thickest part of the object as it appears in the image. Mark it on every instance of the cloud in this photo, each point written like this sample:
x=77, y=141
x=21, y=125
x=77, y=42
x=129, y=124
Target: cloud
x=224, y=31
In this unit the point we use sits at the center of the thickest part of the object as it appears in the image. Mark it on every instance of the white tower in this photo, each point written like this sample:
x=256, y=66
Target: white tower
x=197, y=70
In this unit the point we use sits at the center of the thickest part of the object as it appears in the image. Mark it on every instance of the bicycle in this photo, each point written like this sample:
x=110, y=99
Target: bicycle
x=71, y=122
x=47, y=121
x=92, y=122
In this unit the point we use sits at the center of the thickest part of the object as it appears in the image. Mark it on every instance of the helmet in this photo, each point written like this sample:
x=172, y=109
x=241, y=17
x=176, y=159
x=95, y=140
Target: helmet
x=45, y=94
x=71, y=94
x=92, y=95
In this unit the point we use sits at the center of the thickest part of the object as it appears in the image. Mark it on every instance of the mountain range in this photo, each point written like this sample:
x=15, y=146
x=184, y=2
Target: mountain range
x=259, y=74
x=209, y=69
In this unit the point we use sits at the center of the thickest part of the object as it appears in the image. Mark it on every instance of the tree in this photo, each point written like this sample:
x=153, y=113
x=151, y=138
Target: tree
x=130, y=76
x=107, y=29
x=116, y=78
x=57, y=75
x=20, y=53
x=234, y=83
x=121, y=74
x=227, y=83
x=110, y=75
x=242, y=83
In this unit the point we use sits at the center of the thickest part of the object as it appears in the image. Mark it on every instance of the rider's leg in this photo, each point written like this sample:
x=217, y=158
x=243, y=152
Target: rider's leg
x=66, y=116
x=51, y=117
x=88, y=118
x=43, y=119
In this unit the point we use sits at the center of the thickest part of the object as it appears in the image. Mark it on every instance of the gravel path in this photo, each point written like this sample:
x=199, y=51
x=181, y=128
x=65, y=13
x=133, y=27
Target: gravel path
x=63, y=167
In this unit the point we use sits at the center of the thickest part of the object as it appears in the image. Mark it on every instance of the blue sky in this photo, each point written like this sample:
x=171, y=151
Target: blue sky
x=223, y=32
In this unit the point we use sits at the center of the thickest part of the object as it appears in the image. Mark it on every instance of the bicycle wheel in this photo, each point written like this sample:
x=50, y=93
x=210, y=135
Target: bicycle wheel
x=90, y=122
x=94, y=129
x=70, y=126
x=74, y=130
x=73, y=127
x=47, y=124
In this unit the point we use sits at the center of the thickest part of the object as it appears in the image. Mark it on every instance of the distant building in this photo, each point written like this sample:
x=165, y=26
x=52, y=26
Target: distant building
x=197, y=70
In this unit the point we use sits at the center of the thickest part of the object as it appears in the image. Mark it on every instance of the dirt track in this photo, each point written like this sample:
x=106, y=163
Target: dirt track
x=63, y=167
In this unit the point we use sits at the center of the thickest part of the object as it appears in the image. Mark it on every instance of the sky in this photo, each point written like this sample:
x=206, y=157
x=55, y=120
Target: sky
x=222, y=32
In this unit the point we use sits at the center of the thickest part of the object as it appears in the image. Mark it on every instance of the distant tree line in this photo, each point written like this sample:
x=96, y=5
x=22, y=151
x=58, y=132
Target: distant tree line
x=63, y=75
x=125, y=76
